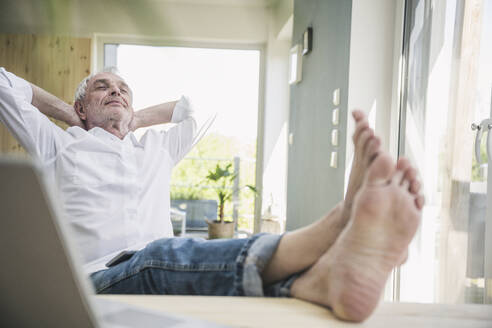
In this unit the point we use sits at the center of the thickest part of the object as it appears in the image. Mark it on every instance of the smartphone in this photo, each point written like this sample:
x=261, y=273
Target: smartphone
x=121, y=257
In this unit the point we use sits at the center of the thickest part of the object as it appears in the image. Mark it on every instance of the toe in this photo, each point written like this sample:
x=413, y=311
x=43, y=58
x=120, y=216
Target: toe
x=415, y=187
x=358, y=115
x=363, y=140
x=403, y=163
x=405, y=173
x=359, y=129
x=372, y=148
x=381, y=170
x=419, y=201
x=410, y=174
x=409, y=180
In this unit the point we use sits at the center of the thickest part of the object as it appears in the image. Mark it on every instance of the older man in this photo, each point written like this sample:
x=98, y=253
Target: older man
x=115, y=192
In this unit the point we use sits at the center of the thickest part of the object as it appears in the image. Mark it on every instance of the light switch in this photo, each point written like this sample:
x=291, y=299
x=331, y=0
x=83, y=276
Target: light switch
x=334, y=159
x=335, y=115
x=334, y=137
x=336, y=97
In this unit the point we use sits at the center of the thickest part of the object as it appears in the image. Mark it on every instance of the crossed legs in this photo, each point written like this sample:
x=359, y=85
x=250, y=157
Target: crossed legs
x=348, y=254
x=343, y=259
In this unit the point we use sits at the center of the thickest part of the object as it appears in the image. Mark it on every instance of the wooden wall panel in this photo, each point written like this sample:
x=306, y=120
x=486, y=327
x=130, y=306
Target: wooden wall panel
x=54, y=63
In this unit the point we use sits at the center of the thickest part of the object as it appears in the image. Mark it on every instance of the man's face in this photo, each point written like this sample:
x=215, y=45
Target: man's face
x=108, y=101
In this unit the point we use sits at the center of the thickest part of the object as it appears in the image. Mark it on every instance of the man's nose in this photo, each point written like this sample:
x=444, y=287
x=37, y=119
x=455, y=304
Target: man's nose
x=115, y=91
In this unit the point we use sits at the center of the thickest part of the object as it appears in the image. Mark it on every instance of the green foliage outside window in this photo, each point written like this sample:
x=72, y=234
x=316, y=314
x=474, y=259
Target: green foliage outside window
x=188, y=180
x=476, y=176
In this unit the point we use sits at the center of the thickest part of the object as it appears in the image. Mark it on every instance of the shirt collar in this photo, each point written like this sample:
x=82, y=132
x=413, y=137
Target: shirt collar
x=132, y=137
x=101, y=133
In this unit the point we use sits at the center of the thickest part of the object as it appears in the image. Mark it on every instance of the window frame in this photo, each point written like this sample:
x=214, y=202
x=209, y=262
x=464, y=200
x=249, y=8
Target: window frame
x=99, y=41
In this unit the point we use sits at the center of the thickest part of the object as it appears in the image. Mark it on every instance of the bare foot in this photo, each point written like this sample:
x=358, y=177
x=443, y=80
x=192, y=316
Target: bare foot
x=351, y=275
x=300, y=249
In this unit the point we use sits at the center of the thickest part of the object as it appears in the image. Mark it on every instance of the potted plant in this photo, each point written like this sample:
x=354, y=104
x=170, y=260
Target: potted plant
x=223, y=179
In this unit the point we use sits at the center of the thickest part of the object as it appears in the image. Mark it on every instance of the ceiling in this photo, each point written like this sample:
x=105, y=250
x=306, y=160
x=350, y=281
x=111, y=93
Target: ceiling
x=239, y=3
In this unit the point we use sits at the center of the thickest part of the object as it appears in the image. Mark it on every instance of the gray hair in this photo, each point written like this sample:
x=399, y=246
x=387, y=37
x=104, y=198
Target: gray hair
x=82, y=88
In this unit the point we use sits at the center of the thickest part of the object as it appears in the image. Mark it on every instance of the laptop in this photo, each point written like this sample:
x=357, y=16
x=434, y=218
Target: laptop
x=41, y=281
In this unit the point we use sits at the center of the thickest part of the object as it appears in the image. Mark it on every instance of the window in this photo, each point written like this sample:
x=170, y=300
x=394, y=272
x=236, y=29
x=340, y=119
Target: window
x=223, y=81
x=448, y=87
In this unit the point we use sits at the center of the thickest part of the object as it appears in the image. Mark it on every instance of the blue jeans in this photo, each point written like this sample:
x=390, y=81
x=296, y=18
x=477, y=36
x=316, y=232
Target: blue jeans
x=194, y=266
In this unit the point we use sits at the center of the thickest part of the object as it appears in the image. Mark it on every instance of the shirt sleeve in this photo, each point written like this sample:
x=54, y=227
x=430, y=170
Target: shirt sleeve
x=34, y=131
x=181, y=138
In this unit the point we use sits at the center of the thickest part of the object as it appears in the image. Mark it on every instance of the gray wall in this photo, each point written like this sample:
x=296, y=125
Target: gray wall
x=313, y=187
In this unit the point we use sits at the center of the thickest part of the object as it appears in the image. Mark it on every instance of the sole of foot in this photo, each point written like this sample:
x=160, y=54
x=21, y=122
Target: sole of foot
x=350, y=277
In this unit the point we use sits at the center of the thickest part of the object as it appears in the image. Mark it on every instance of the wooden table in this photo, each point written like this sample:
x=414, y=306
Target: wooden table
x=287, y=312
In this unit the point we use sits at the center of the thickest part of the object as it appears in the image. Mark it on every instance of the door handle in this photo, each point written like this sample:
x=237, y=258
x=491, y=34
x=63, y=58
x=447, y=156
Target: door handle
x=480, y=128
x=478, y=141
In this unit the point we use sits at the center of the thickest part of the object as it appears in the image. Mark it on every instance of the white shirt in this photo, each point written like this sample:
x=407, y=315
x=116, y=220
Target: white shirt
x=115, y=193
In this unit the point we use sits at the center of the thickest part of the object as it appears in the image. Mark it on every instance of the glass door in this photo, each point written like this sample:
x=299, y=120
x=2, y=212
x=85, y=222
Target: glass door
x=447, y=87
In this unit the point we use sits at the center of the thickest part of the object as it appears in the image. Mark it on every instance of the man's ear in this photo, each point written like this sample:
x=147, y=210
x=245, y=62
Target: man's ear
x=80, y=110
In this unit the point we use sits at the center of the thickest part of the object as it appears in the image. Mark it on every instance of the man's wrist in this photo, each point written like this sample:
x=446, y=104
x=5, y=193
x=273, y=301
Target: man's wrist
x=68, y=115
x=181, y=110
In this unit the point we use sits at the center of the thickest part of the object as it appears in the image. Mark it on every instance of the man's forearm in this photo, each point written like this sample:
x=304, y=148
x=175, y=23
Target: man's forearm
x=54, y=107
x=153, y=115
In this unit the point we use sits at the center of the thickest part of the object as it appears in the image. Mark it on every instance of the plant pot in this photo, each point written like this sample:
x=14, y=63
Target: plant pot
x=218, y=229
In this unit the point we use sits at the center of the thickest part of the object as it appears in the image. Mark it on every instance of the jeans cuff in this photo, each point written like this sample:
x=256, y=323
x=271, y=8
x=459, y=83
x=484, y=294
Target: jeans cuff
x=281, y=288
x=253, y=260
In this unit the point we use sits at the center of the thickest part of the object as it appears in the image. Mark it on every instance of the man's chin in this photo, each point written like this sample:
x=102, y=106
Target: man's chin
x=115, y=105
